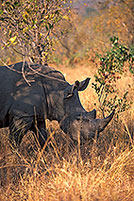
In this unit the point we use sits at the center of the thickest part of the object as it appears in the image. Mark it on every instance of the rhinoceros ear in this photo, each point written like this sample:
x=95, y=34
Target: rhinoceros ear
x=83, y=84
x=80, y=86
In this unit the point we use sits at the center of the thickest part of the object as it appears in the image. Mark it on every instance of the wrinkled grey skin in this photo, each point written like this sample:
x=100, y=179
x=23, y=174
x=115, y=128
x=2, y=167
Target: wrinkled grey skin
x=85, y=126
x=44, y=94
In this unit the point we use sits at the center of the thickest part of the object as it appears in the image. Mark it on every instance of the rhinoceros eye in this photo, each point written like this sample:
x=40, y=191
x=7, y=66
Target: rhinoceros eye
x=68, y=96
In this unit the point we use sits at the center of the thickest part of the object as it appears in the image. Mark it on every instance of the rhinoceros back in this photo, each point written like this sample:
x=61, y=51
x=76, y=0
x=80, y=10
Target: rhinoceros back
x=8, y=80
x=47, y=71
x=11, y=75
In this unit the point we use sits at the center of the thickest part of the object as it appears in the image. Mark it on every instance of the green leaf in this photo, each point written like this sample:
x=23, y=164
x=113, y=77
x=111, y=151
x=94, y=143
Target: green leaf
x=46, y=27
x=1, y=12
x=16, y=3
x=2, y=19
x=50, y=26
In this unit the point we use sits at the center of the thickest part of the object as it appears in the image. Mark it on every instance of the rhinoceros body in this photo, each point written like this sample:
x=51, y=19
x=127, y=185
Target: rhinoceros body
x=29, y=94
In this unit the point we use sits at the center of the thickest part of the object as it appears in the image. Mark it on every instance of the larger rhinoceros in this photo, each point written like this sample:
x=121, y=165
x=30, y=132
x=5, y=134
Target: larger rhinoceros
x=29, y=94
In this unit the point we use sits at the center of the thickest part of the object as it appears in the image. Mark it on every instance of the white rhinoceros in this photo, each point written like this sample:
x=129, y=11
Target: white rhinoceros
x=29, y=94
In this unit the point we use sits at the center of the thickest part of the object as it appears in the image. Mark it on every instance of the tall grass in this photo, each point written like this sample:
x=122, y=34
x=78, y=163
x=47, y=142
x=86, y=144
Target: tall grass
x=99, y=171
x=109, y=176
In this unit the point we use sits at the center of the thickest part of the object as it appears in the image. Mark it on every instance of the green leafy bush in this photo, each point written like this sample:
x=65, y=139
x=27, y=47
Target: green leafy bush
x=112, y=66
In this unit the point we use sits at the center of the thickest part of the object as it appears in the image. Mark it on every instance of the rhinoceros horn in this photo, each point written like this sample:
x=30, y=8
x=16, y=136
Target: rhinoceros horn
x=91, y=114
x=102, y=123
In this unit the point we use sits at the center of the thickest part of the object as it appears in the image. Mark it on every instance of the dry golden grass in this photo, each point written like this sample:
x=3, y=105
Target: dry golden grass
x=102, y=171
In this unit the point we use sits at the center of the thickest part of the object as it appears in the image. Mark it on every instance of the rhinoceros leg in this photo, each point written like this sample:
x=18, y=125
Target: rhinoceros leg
x=42, y=136
x=18, y=128
x=40, y=132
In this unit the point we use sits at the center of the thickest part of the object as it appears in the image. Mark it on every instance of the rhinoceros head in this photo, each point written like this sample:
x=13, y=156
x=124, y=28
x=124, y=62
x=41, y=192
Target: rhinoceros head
x=73, y=118
x=84, y=124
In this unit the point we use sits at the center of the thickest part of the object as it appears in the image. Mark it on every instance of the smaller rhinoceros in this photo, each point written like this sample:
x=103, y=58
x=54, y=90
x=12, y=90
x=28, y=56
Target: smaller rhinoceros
x=43, y=94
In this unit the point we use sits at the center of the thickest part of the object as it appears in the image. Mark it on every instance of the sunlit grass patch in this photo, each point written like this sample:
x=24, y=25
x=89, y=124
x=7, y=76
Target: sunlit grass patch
x=73, y=180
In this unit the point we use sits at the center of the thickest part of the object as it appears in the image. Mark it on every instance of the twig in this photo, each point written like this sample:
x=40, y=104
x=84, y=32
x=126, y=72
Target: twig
x=23, y=73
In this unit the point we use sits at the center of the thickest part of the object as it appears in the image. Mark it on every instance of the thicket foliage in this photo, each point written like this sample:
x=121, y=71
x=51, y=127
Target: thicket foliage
x=29, y=26
x=116, y=17
x=36, y=25
x=92, y=28
x=112, y=66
